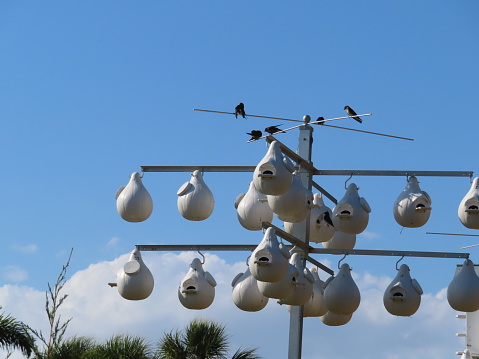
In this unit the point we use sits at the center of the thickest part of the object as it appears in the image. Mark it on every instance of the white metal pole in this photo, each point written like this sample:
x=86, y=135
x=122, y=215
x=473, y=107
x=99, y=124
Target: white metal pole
x=305, y=143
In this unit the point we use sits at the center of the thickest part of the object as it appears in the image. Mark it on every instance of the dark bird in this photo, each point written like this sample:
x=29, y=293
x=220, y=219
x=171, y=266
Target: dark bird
x=328, y=219
x=320, y=119
x=273, y=129
x=351, y=112
x=239, y=110
x=255, y=135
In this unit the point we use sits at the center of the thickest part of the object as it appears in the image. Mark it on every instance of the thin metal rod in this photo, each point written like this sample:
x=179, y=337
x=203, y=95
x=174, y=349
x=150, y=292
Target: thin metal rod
x=320, y=122
x=248, y=115
x=455, y=234
x=372, y=133
x=326, y=193
x=393, y=173
x=309, y=123
x=195, y=247
x=474, y=245
x=393, y=253
x=201, y=168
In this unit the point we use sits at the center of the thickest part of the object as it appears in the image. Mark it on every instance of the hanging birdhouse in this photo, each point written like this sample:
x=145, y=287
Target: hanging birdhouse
x=413, y=206
x=280, y=289
x=466, y=354
x=463, y=291
x=334, y=320
x=195, y=200
x=269, y=260
x=351, y=214
x=134, y=280
x=403, y=296
x=303, y=286
x=133, y=202
x=320, y=226
x=341, y=294
x=252, y=209
x=294, y=205
x=246, y=294
x=273, y=175
x=468, y=210
x=340, y=240
x=197, y=289
x=315, y=306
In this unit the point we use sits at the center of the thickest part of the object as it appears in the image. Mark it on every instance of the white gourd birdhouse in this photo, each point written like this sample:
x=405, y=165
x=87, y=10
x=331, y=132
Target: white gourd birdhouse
x=134, y=280
x=351, y=214
x=253, y=209
x=269, y=260
x=133, y=202
x=463, y=291
x=334, y=320
x=403, y=296
x=246, y=294
x=294, y=205
x=340, y=240
x=413, y=205
x=320, y=225
x=195, y=200
x=303, y=286
x=466, y=354
x=315, y=306
x=280, y=289
x=468, y=210
x=341, y=294
x=274, y=173
x=197, y=289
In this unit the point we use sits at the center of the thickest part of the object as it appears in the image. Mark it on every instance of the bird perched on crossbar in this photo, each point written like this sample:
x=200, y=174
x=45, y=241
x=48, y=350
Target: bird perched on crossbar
x=351, y=112
x=320, y=118
x=273, y=129
x=239, y=110
x=255, y=135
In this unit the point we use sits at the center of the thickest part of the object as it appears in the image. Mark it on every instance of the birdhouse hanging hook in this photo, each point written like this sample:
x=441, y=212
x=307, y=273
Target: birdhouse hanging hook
x=339, y=263
x=201, y=254
x=400, y=259
x=346, y=182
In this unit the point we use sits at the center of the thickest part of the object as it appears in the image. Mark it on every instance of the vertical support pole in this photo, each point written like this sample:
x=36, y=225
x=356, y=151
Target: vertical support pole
x=305, y=145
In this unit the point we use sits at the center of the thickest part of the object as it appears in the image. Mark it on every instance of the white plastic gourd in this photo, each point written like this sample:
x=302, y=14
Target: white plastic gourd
x=320, y=225
x=466, y=354
x=412, y=207
x=468, y=210
x=274, y=173
x=135, y=281
x=351, y=214
x=197, y=289
x=340, y=240
x=334, y=320
x=341, y=294
x=294, y=205
x=269, y=260
x=315, y=306
x=246, y=294
x=195, y=200
x=282, y=288
x=303, y=286
x=133, y=202
x=252, y=209
x=403, y=296
x=463, y=291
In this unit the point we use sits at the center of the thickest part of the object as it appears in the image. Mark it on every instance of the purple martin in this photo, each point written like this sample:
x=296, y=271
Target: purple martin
x=351, y=112
x=255, y=135
x=239, y=110
x=320, y=118
x=273, y=129
x=327, y=218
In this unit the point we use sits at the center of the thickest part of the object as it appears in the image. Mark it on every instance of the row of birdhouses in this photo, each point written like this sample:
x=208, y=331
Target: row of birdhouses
x=278, y=273
x=277, y=189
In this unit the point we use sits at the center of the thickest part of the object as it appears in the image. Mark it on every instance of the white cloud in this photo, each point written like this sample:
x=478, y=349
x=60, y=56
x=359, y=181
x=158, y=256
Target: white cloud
x=30, y=248
x=112, y=242
x=370, y=235
x=99, y=311
x=14, y=273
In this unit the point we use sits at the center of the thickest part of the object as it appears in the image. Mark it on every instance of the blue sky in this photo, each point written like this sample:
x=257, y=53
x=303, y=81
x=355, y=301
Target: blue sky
x=91, y=91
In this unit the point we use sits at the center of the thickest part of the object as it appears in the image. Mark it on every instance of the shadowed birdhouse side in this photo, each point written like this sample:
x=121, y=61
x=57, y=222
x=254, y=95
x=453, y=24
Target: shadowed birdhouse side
x=412, y=207
x=351, y=214
x=403, y=296
x=246, y=294
x=468, y=211
x=463, y=291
